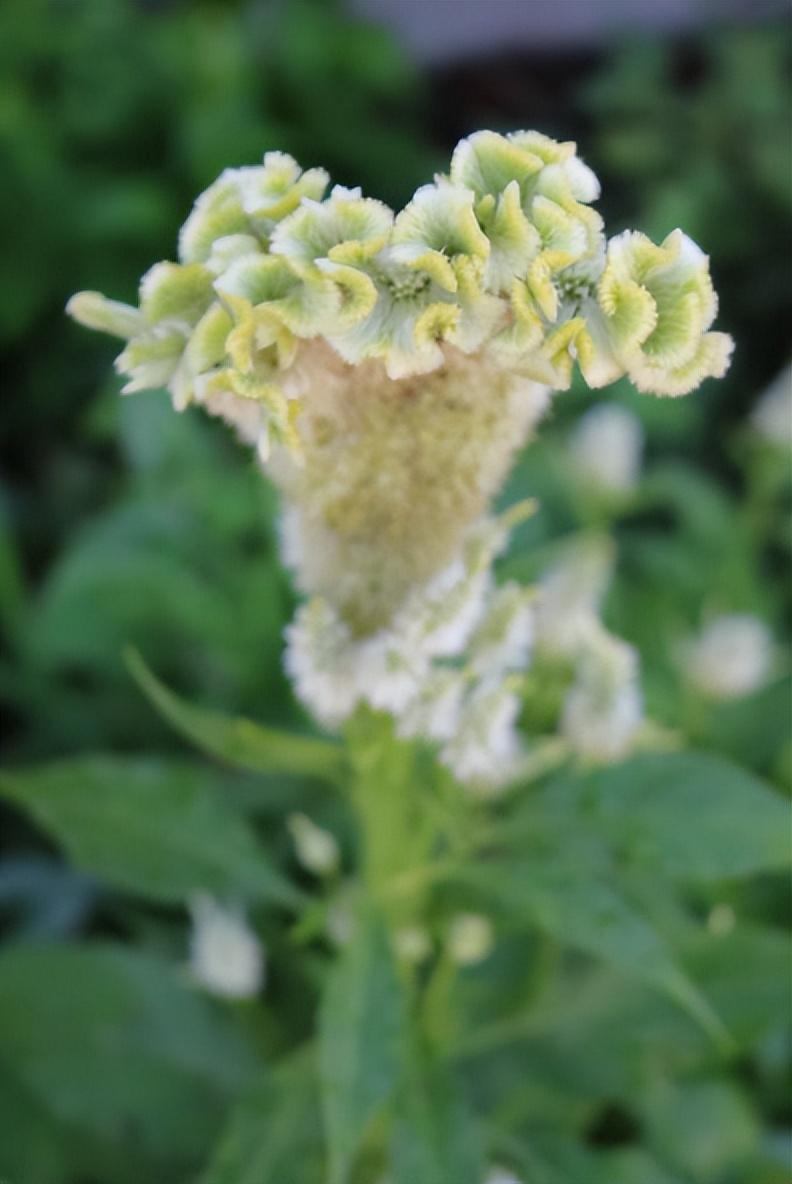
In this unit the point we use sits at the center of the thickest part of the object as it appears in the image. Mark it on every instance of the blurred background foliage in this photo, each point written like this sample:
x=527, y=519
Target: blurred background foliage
x=121, y=523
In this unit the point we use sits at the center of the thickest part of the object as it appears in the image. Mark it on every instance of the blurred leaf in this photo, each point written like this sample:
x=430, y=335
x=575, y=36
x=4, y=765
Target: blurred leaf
x=157, y=828
x=705, y=1129
x=582, y=910
x=360, y=1028
x=112, y=1044
x=42, y=1148
x=239, y=741
x=435, y=1139
x=273, y=1132
x=691, y=815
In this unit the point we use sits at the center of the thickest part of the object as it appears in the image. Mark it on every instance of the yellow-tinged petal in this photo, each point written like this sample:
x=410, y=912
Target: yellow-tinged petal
x=175, y=292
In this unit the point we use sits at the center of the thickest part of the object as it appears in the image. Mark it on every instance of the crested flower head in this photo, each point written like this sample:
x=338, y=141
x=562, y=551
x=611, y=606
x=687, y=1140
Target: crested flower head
x=387, y=366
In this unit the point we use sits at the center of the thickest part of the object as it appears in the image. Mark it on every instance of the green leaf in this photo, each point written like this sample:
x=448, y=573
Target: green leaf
x=239, y=741
x=435, y=1139
x=273, y=1131
x=705, y=1129
x=154, y=827
x=691, y=815
x=360, y=1026
x=583, y=910
x=112, y=1046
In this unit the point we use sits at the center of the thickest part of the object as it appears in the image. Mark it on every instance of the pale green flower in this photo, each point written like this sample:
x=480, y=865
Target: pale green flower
x=248, y=201
x=659, y=303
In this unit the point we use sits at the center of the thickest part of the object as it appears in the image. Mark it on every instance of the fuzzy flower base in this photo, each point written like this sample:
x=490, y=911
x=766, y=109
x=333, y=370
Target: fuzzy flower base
x=392, y=472
x=388, y=366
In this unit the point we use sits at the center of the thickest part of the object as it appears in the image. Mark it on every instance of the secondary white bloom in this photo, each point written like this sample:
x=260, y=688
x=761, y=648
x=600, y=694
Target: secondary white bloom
x=570, y=593
x=603, y=710
x=732, y=656
x=606, y=448
x=226, y=956
x=471, y=939
x=485, y=751
x=771, y=418
x=317, y=849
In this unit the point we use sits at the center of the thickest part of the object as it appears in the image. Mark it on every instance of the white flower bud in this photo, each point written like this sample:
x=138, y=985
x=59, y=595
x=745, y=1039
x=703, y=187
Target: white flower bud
x=606, y=447
x=412, y=944
x=226, y=956
x=470, y=939
x=317, y=850
x=732, y=657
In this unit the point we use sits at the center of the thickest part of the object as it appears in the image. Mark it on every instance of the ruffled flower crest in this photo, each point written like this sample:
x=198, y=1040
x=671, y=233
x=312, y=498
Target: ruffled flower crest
x=387, y=367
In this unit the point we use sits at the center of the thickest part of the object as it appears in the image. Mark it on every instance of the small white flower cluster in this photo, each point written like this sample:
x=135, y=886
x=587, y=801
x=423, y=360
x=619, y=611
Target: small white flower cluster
x=731, y=657
x=442, y=668
x=448, y=667
x=226, y=956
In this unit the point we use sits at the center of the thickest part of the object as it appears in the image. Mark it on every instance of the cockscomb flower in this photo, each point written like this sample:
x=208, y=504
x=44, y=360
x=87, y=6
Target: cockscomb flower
x=387, y=367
